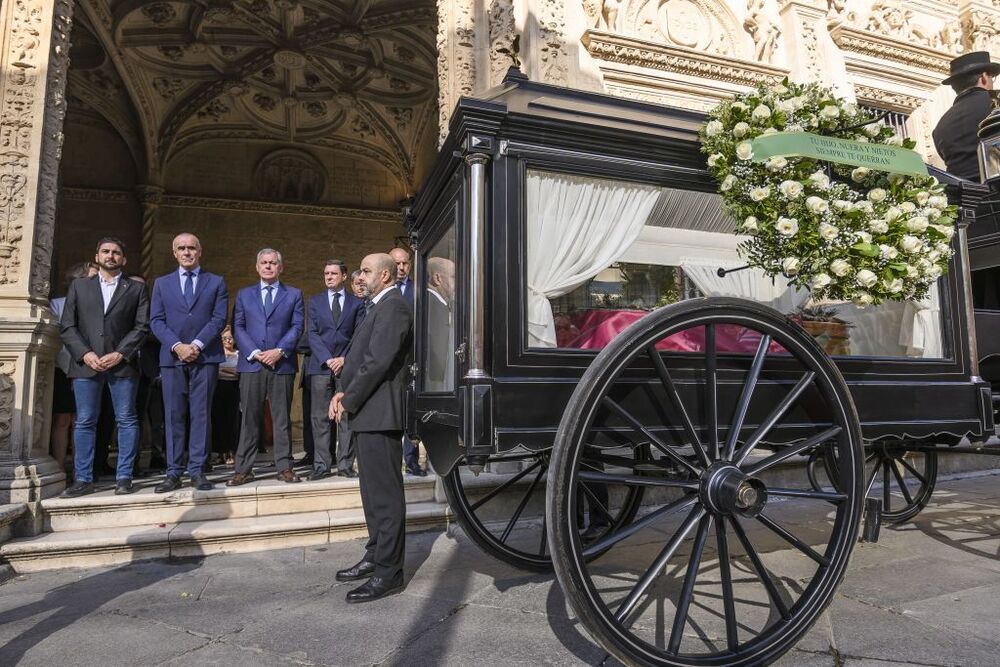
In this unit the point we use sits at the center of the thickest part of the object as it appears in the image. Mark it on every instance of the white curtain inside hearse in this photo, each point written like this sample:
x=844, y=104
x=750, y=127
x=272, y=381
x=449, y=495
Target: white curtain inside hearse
x=579, y=226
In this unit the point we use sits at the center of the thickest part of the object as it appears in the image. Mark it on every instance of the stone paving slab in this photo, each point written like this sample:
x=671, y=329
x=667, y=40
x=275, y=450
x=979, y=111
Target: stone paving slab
x=924, y=595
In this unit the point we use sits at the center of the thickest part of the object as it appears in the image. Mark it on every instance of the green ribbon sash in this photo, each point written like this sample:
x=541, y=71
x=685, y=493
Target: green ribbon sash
x=879, y=157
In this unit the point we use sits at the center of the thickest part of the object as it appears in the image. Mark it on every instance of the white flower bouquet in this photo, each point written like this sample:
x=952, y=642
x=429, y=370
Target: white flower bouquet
x=844, y=232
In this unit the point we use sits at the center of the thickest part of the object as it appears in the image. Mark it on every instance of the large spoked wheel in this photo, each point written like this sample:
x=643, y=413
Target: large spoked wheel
x=502, y=510
x=740, y=555
x=902, y=478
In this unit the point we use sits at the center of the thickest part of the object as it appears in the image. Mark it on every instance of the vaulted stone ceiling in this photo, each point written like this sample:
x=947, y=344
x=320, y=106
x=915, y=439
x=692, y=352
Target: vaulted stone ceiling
x=355, y=76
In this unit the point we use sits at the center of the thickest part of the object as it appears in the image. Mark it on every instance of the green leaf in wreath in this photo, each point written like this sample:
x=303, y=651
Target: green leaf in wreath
x=898, y=267
x=866, y=249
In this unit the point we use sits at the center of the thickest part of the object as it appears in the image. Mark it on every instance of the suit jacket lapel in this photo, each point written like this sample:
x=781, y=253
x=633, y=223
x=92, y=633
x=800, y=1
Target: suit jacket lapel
x=123, y=285
x=200, y=286
x=279, y=294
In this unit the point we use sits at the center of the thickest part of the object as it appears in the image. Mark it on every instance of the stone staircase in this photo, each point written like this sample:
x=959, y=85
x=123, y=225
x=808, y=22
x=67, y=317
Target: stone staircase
x=104, y=529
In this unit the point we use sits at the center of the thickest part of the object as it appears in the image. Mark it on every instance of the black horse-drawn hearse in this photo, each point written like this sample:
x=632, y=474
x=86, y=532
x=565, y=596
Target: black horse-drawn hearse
x=581, y=339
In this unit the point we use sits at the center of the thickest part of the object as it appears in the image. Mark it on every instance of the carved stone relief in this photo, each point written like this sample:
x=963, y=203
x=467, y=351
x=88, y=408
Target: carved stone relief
x=501, y=38
x=553, y=58
x=40, y=406
x=290, y=175
x=763, y=29
x=981, y=31
x=700, y=25
x=7, y=395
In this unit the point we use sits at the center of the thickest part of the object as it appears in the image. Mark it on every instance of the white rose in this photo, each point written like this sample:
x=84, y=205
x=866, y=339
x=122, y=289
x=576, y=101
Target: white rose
x=714, y=158
x=933, y=273
x=872, y=129
x=784, y=106
x=932, y=213
x=896, y=179
x=876, y=195
x=744, y=150
x=770, y=130
x=943, y=248
x=923, y=264
x=866, y=278
x=779, y=89
x=934, y=255
x=795, y=127
x=790, y=265
x=895, y=140
x=863, y=299
x=879, y=226
x=840, y=268
x=859, y=174
x=791, y=189
x=740, y=106
x=894, y=286
x=938, y=201
x=760, y=194
x=907, y=207
x=827, y=231
x=817, y=204
x=864, y=206
x=761, y=113
x=911, y=271
x=922, y=197
x=820, y=180
x=829, y=112
x=864, y=237
x=861, y=139
x=740, y=129
x=910, y=244
x=888, y=252
x=750, y=225
x=917, y=224
x=842, y=205
x=892, y=213
x=947, y=230
x=787, y=226
x=819, y=281
x=776, y=163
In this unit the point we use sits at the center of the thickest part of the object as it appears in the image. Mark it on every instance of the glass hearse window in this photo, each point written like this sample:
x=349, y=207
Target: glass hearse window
x=602, y=253
x=439, y=295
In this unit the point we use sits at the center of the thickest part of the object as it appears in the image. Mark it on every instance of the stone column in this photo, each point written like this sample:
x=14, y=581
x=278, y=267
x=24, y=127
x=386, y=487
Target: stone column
x=34, y=43
x=803, y=26
x=150, y=197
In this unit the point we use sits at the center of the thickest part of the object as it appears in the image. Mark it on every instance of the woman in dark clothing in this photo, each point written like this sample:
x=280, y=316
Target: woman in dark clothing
x=226, y=403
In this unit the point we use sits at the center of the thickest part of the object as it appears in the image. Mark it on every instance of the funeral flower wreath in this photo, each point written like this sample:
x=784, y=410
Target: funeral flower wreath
x=843, y=232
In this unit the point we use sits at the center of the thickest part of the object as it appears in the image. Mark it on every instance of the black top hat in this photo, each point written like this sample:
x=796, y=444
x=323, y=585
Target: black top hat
x=972, y=63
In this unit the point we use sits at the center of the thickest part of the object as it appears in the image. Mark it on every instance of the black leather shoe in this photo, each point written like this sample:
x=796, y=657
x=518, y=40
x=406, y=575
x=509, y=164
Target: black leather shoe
x=304, y=461
x=416, y=472
x=171, y=483
x=361, y=570
x=201, y=483
x=318, y=474
x=83, y=488
x=123, y=487
x=375, y=588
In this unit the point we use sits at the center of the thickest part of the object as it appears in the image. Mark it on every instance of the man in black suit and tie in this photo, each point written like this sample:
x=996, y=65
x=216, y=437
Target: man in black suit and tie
x=401, y=258
x=104, y=321
x=373, y=378
x=190, y=306
x=333, y=315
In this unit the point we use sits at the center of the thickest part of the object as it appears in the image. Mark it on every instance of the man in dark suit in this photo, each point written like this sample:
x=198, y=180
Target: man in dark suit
x=373, y=378
x=333, y=316
x=956, y=134
x=267, y=323
x=440, y=372
x=401, y=258
x=104, y=321
x=190, y=306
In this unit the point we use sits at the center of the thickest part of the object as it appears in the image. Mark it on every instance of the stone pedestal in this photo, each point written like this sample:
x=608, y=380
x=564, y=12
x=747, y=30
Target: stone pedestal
x=34, y=43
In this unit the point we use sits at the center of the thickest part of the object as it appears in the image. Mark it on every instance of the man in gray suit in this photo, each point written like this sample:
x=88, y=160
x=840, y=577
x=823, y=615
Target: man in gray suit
x=373, y=377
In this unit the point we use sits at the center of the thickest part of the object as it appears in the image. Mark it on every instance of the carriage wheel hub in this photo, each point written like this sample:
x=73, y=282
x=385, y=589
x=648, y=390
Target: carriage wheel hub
x=725, y=489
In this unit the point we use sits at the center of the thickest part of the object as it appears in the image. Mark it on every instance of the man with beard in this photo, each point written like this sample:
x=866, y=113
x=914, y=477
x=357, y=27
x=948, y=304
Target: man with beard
x=104, y=321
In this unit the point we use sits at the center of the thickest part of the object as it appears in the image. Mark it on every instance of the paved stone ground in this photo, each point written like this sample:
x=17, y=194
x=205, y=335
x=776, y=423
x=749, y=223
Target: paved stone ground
x=927, y=594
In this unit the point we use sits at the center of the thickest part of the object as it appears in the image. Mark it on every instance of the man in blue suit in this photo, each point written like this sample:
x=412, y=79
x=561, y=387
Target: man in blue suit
x=333, y=316
x=188, y=312
x=267, y=323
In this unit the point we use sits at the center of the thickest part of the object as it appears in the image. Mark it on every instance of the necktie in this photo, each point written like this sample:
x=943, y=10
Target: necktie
x=401, y=284
x=369, y=304
x=335, y=307
x=188, y=287
x=268, y=300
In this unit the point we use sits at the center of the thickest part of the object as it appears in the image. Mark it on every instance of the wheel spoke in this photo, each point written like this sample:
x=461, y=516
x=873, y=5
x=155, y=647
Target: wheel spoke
x=628, y=604
x=871, y=480
x=901, y=483
x=774, y=417
x=802, y=493
x=791, y=450
x=687, y=591
x=675, y=400
x=711, y=392
x=625, y=462
x=886, y=492
x=781, y=532
x=913, y=471
x=728, y=598
x=597, y=504
x=636, y=526
x=744, y=404
x=636, y=480
x=521, y=505
x=653, y=439
x=492, y=494
x=762, y=573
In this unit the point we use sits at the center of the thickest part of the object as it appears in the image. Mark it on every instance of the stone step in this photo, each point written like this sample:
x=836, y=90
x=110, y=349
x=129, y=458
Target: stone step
x=261, y=498
x=94, y=547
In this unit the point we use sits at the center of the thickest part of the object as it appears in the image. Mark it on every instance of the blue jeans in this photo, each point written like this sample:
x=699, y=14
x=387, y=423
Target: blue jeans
x=87, y=392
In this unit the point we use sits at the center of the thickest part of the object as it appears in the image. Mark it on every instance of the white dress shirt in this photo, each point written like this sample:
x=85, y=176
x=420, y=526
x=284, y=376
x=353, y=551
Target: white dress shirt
x=339, y=294
x=108, y=288
x=378, y=297
x=263, y=299
x=194, y=290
